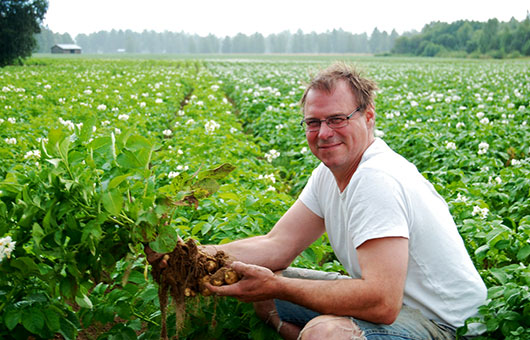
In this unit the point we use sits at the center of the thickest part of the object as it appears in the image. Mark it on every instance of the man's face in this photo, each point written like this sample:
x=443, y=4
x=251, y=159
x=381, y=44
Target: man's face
x=340, y=149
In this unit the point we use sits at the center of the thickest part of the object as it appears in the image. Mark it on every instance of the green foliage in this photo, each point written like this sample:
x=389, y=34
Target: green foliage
x=19, y=21
x=96, y=152
x=492, y=38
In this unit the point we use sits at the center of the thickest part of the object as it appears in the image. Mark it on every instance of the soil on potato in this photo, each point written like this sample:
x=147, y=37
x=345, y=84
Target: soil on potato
x=183, y=277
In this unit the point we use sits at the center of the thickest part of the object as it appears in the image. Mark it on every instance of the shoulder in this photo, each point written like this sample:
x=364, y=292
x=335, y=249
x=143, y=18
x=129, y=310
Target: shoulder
x=382, y=163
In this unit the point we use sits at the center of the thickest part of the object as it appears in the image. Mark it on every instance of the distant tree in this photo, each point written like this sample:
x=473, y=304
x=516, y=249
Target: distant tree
x=463, y=35
x=257, y=43
x=240, y=43
x=45, y=40
x=376, y=41
x=324, y=42
x=312, y=42
x=298, y=42
x=226, y=46
x=130, y=42
x=19, y=21
x=279, y=43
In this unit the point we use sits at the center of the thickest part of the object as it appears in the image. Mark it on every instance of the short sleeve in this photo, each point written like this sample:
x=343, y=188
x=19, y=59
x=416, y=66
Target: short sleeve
x=379, y=208
x=309, y=194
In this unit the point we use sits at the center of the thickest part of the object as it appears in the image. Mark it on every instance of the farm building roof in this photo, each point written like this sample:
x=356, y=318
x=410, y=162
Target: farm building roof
x=68, y=46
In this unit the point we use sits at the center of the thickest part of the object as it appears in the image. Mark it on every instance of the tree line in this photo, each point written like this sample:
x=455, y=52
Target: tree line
x=469, y=38
x=458, y=39
x=335, y=41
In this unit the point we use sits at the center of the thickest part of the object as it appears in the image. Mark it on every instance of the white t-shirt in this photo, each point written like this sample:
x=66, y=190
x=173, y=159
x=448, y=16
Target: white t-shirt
x=388, y=197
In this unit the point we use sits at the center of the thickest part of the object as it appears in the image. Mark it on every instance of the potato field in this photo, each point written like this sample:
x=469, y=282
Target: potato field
x=101, y=155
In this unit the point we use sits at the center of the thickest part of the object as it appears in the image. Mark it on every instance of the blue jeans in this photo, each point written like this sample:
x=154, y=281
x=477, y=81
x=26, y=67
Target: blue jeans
x=410, y=324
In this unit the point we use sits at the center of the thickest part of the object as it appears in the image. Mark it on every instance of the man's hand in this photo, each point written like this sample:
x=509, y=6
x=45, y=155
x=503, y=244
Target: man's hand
x=154, y=258
x=257, y=283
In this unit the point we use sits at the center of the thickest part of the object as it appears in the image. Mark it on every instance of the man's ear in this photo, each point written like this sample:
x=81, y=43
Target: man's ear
x=369, y=116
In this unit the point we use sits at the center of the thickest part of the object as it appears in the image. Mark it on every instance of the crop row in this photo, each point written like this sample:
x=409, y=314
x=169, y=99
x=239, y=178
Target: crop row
x=464, y=124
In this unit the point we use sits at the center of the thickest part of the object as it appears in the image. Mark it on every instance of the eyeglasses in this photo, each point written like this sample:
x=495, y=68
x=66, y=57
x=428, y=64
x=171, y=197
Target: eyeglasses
x=333, y=122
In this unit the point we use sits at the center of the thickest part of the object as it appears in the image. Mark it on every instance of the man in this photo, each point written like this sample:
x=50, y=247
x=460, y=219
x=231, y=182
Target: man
x=411, y=277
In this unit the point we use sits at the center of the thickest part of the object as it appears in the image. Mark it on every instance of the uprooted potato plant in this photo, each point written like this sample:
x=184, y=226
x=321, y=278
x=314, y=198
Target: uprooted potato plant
x=188, y=269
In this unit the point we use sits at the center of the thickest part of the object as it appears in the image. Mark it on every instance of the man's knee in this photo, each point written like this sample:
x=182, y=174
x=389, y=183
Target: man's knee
x=331, y=327
x=265, y=309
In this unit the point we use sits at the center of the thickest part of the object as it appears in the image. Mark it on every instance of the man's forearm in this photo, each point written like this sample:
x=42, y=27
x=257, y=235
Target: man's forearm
x=348, y=297
x=258, y=250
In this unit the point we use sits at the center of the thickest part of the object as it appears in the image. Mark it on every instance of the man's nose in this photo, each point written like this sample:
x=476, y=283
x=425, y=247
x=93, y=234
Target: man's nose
x=325, y=131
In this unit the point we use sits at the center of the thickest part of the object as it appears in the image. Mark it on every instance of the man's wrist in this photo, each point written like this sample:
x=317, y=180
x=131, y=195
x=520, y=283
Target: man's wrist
x=208, y=249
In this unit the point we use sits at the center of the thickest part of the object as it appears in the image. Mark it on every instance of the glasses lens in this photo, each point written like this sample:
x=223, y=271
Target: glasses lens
x=336, y=122
x=312, y=125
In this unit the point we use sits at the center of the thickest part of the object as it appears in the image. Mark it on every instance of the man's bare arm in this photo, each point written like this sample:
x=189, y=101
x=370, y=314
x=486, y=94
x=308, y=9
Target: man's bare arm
x=294, y=232
x=376, y=297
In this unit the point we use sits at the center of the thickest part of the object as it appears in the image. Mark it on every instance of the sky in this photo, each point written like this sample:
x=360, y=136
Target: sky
x=229, y=17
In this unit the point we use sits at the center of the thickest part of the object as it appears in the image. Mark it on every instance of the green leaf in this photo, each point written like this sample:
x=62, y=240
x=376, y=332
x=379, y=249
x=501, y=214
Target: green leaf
x=37, y=233
x=33, y=320
x=197, y=228
x=68, y=287
x=136, y=277
x=122, y=332
x=68, y=329
x=205, y=188
x=228, y=196
x=25, y=264
x=130, y=160
x=481, y=251
x=206, y=228
x=101, y=143
x=149, y=294
x=12, y=318
x=54, y=161
x=92, y=230
x=112, y=201
x=64, y=146
x=137, y=142
x=117, y=181
x=83, y=301
x=217, y=173
x=499, y=274
x=495, y=292
x=166, y=240
x=55, y=136
x=523, y=253
x=52, y=319
x=49, y=221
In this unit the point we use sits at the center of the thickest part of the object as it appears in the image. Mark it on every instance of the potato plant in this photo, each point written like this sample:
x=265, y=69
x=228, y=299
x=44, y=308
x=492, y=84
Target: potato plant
x=76, y=135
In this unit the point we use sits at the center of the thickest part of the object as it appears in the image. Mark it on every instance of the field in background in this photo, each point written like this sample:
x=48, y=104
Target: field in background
x=464, y=123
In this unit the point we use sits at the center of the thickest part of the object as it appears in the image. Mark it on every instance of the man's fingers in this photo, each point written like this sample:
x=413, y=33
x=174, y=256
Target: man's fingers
x=244, y=269
x=153, y=257
x=233, y=290
x=163, y=261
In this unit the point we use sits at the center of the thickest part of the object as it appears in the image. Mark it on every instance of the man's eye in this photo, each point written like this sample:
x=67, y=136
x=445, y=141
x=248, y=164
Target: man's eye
x=312, y=123
x=335, y=120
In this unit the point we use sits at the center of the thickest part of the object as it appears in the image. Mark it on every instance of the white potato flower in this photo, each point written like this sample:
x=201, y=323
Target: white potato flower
x=450, y=146
x=483, y=148
x=211, y=126
x=7, y=245
x=271, y=155
x=482, y=212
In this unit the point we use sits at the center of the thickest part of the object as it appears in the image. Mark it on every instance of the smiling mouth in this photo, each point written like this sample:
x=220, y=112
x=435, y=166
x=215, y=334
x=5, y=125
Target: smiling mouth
x=328, y=146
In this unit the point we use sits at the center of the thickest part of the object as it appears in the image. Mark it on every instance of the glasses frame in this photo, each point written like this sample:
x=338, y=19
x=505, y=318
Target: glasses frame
x=358, y=109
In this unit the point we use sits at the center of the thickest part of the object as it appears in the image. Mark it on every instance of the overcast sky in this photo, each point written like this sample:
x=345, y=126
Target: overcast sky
x=229, y=17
